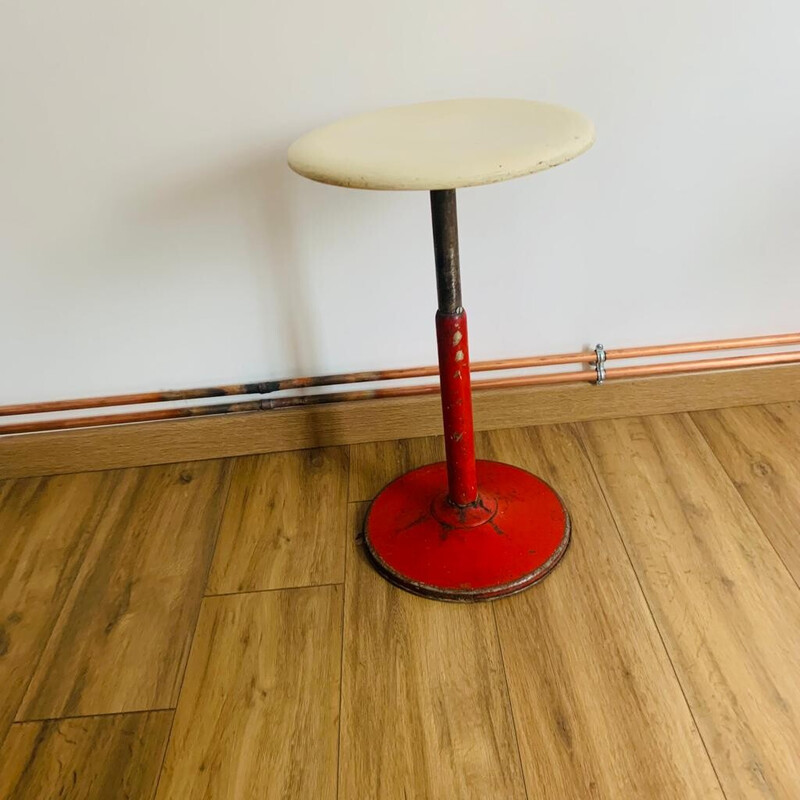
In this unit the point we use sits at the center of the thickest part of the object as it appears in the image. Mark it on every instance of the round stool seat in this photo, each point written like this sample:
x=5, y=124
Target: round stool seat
x=442, y=145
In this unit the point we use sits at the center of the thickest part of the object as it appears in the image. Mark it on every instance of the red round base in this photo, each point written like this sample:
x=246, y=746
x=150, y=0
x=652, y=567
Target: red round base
x=510, y=539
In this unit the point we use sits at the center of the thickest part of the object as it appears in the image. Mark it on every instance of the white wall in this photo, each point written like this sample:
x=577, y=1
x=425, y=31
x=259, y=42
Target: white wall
x=151, y=235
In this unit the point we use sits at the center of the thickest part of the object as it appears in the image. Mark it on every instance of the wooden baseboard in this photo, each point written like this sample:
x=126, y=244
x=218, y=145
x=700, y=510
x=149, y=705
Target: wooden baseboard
x=112, y=447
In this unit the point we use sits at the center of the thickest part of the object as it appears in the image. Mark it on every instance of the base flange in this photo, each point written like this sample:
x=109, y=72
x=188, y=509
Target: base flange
x=416, y=544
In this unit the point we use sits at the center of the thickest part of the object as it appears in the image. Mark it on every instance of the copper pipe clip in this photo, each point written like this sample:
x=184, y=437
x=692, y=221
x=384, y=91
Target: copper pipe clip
x=599, y=364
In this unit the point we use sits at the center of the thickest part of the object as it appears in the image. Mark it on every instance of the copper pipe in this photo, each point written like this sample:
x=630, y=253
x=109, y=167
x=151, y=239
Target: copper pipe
x=267, y=387
x=644, y=370
x=133, y=416
x=213, y=409
x=705, y=365
x=674, y=368
x=233, y=390
x=427, y=372
x=698, y=347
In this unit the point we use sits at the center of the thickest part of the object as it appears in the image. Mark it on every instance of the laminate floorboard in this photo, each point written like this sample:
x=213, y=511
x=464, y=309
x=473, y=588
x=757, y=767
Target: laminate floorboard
x=724, y=602
x=374, y=464
x=90, y=758
x=425, y=709
x=259, y=710
x=46, y=526
x=123, y=635
x=759, y=447
x=598, y=709
x=284, y=522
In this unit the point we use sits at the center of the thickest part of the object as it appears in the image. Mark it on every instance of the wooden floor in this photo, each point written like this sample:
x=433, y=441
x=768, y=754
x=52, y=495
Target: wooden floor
x=212, y=629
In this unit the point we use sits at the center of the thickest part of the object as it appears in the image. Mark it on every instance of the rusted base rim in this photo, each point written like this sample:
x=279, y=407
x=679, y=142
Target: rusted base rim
x=471, y=595
x=522, y=532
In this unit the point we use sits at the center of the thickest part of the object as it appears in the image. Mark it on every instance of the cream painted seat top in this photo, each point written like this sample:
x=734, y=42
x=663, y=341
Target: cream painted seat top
x=442, y=145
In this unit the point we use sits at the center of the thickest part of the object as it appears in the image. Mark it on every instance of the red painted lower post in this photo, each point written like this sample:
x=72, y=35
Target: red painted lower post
x=459, y=440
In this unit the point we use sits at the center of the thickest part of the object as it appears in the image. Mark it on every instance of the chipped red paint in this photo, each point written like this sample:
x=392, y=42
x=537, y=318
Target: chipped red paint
x=454, y=380
x=523, y=534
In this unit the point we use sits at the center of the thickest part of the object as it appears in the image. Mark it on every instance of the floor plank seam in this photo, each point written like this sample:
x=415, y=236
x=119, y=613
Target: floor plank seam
x=510, y=703
x=613, y=517
x=744, y=499
x=342, y=625
x=274, y=589
x=35, y=668
x=93, y=716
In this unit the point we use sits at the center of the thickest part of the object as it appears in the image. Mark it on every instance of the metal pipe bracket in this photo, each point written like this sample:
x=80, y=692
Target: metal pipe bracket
x=599, y=364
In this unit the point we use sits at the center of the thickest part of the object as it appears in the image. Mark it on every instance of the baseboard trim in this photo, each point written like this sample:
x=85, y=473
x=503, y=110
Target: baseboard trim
x=113, y=447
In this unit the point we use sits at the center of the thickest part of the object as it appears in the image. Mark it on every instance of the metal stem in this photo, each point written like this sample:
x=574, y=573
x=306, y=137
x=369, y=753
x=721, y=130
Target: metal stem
x=445, y=247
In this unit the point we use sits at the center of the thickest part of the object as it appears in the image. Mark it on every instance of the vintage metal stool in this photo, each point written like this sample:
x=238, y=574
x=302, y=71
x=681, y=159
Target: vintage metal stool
x=460, y=529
